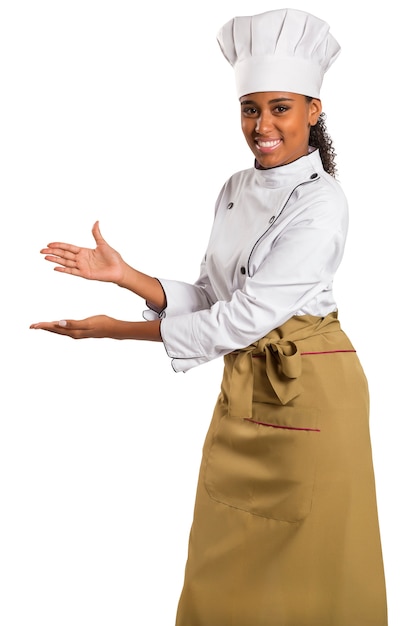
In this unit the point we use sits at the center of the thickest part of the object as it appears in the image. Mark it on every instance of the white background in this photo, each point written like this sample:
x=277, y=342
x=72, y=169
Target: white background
x=125, y=111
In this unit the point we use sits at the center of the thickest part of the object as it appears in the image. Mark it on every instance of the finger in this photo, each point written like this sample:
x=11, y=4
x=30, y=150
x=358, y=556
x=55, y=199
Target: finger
x=63, y=265
x=63, y=247
x=60, y=327
x=97, y=234
x=76, y=329
x=62, y=260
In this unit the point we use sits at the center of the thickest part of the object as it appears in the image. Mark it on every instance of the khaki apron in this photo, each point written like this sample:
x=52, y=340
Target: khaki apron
x=285, y=529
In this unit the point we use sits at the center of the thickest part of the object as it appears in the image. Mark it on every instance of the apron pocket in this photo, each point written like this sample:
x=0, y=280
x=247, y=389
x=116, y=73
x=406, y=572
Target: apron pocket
x=265, y=467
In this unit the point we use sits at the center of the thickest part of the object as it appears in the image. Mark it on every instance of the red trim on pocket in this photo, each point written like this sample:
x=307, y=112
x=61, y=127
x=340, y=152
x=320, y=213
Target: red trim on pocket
x=314, y=430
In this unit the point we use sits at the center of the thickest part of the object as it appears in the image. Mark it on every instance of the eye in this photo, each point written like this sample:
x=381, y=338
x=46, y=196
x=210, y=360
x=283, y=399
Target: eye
x=281, y=108
x=249, y=111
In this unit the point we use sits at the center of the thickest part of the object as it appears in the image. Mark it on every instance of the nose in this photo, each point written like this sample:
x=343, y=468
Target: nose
x=264, y=123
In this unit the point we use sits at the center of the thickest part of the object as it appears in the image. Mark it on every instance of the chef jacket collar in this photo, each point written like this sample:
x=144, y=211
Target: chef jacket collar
x=306, y=167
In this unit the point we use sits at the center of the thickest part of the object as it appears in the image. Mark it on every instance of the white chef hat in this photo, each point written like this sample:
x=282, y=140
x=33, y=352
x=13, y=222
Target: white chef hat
x=282, y=50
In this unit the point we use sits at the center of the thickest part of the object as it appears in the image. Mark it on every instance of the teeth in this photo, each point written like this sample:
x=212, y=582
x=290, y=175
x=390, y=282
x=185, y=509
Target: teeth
x=268, y=144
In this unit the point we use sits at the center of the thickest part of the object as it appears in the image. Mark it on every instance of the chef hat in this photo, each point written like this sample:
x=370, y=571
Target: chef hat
x=282, y=50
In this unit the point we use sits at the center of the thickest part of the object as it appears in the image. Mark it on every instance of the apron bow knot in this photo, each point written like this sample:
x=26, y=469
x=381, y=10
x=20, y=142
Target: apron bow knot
x=282, y=367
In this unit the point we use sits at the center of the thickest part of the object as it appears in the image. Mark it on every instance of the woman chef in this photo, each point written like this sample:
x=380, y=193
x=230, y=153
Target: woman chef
x=285, y=531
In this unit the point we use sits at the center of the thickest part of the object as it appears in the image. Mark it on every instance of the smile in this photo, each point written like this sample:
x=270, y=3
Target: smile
x=267, y=145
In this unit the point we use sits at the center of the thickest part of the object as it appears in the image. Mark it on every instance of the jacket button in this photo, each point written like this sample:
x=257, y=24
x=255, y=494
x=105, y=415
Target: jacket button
x=313, y=176
x=242, y=270
x=271, y=221
x=230, y=205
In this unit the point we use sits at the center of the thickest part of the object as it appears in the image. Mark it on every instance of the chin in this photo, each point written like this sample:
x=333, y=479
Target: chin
x=268, y=163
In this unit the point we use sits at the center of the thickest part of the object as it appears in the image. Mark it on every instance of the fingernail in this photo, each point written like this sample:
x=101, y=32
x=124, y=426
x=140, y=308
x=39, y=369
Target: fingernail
x=62, y=323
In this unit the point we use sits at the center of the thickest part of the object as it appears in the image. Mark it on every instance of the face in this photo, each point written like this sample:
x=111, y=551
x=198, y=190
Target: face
x=277, y=124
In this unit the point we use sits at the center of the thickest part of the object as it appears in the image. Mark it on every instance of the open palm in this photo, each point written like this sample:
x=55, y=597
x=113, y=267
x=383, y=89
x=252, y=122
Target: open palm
x=102, y=263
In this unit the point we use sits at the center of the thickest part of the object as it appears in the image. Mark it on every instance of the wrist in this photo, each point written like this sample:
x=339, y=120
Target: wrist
x=126, y=277
x=144, y=286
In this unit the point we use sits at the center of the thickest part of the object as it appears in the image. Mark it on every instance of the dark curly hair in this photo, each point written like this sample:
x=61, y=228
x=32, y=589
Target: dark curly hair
x=320, y=138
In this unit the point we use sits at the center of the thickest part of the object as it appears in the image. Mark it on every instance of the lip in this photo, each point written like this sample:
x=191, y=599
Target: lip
x=267, y=145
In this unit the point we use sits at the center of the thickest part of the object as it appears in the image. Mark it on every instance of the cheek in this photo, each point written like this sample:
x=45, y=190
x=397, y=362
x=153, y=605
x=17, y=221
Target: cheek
x=304, y=124
x=299, y=131
x=246, y=127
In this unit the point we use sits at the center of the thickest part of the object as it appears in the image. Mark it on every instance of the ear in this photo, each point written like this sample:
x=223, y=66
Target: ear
x=315, y=109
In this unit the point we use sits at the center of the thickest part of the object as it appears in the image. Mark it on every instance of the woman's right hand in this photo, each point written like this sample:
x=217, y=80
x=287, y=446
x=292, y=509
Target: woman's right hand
x=102, y=263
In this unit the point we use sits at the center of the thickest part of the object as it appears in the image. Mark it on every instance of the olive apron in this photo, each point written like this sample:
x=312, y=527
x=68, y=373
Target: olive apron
x=285, y=529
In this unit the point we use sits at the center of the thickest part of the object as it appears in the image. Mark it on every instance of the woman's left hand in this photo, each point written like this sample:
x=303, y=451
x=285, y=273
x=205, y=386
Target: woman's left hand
x=97, y=326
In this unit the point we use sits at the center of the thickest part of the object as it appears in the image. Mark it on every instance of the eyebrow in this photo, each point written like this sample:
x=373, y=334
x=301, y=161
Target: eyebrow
x=274, y=101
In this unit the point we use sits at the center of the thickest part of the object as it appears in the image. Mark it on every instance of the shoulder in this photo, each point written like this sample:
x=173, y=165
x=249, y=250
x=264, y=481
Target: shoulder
x=236, y=182
x=240, y=177
x=319, y=200
x=322, y=191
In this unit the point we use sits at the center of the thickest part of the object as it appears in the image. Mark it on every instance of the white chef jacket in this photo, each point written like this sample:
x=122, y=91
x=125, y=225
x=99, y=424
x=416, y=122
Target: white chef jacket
x=276, y=242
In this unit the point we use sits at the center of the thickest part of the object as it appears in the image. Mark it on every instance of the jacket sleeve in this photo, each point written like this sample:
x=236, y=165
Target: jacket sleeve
x=183, y=298
x=300, y=265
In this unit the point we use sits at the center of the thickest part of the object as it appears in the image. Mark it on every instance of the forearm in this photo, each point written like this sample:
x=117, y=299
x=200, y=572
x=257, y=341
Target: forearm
x=145, y=331
x=145, y=286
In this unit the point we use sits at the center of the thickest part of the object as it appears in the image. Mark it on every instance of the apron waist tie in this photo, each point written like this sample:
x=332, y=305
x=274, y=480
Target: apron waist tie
x=283, y=368
x=283, y=362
